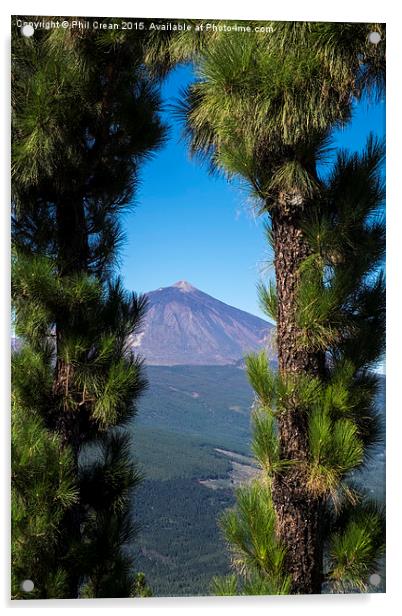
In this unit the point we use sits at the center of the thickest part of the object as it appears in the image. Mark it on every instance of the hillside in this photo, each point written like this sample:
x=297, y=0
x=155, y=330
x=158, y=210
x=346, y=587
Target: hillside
x=191, y=427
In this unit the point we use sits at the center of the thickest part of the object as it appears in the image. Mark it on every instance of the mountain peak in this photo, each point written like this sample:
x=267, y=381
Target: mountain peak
x=184, y=325
x=184, y=286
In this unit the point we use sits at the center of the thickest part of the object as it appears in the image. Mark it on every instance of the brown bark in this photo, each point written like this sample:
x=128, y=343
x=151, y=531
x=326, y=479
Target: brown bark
x=298, y=511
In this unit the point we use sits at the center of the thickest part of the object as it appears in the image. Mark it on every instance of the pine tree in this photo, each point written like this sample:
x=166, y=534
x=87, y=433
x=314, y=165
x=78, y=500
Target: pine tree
x=262, y=109
x=43, y=483
x=340, y=312
x=85, y=115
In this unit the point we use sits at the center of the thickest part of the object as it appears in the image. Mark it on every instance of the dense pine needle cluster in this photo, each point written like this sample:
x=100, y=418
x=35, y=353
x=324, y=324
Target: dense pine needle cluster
x=85, y=115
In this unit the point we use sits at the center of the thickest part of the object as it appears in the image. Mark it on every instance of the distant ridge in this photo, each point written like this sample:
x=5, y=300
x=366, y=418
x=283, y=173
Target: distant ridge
x=183, y=325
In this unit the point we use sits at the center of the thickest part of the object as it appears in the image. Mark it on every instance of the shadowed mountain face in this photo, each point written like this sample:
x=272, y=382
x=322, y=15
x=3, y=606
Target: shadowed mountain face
x=186, y=326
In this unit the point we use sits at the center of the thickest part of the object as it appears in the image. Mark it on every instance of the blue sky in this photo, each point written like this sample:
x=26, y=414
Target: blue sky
x=190, y=226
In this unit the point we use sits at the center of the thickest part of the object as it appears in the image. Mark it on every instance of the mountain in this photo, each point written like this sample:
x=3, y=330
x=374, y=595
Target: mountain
x=183, y=325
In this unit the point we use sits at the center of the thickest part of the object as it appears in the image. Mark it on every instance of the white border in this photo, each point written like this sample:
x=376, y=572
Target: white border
x=322, y=10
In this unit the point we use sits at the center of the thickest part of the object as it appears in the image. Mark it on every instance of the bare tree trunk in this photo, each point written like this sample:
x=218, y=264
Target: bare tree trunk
x=299, y=513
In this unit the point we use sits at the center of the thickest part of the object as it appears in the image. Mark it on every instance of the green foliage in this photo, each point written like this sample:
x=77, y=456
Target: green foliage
x=30, y=367
x=40, y=469
x=251, y=536
x=265, y=444
x=268, y=299
x=107, y=473
x=341, y=302
x=335, y=450
x=225, y=586
x=141, y=589
x=276, y=393
x=341, y=295
x=356, y=546
x=339, y=308
x=116, y=392
x=262, y=379
x=253, y=585
x=178, y=546
x=85, y=115
x=340, y=312
x=256, y=110
x=262, y=585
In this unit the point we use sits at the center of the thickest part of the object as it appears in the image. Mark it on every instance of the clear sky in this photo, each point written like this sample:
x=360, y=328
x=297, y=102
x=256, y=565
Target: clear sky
x=189, y=225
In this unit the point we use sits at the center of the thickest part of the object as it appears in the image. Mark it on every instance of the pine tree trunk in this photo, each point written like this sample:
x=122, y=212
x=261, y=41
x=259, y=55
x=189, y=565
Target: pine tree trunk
x=298, y=511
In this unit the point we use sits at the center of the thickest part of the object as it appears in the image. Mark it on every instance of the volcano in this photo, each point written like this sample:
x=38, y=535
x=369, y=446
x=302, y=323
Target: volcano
x=183, y=325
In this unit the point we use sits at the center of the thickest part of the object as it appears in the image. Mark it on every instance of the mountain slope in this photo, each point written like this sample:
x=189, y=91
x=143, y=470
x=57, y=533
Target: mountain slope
x=186, y=326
